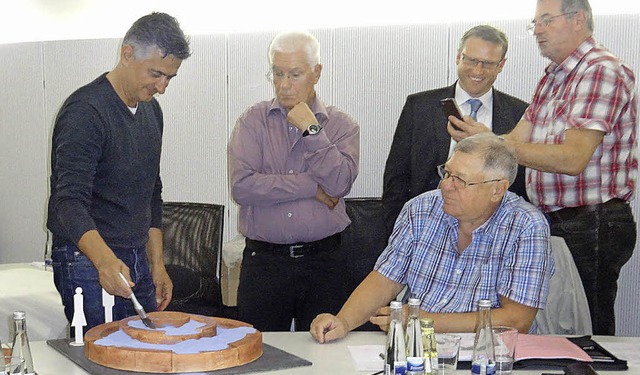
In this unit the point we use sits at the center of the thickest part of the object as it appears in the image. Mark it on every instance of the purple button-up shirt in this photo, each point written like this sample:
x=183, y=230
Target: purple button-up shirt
x=275, y=172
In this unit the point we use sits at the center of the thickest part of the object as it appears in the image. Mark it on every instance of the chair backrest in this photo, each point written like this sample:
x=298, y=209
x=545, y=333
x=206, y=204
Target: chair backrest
x=364, y=239
x=192, y=244
x=362, y=242
x=567, y=310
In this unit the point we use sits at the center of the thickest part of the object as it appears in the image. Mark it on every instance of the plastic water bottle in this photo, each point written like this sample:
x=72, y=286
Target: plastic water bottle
x=21, y=342
x=395, y=361
x=429, y=347
x=483, y=361
x=415, y=351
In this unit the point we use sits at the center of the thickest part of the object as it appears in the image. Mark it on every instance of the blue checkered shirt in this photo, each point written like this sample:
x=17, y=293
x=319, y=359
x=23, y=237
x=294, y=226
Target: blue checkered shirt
x=510, y=256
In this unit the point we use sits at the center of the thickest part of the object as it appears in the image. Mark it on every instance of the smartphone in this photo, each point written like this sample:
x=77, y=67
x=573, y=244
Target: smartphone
x=450, y=108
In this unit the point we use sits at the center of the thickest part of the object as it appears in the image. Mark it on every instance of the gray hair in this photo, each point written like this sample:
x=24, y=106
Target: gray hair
x=294, y=41
x=157, y=31
x=571, y=6
x=499, y=157
x=487, y=33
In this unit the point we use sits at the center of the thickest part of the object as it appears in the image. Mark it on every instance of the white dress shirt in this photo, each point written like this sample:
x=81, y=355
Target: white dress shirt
x=485, y=112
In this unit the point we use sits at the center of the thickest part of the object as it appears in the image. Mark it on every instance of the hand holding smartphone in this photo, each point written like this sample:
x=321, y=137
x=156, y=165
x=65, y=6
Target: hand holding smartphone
x=450, y=108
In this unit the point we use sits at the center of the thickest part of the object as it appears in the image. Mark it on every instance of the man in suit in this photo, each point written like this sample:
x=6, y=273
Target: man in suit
x=421, y=141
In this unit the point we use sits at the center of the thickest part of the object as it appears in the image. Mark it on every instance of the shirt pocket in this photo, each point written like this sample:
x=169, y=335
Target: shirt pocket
x=556, y=122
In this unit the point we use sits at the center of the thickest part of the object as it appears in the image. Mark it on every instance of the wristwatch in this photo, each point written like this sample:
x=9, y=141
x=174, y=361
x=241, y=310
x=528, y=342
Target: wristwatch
x=312, y=130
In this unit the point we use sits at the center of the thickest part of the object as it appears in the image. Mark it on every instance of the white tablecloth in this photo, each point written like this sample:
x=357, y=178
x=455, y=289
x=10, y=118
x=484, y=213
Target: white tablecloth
x=334, y=357
x=30, y=289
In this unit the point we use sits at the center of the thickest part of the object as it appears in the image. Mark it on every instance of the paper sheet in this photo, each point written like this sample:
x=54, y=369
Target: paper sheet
x=542, y=346
x=367, y=357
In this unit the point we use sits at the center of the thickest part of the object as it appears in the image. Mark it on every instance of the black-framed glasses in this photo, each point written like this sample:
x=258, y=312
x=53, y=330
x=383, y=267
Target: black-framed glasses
x=458, y=182
x=545, y=21
x=472, y=62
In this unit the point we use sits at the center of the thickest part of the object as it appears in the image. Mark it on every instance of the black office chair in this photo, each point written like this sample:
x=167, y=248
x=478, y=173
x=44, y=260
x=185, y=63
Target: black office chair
x=192, y=243
x=362, y=242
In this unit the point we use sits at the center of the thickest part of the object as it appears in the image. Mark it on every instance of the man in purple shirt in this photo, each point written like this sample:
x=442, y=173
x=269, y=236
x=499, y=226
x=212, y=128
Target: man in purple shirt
x=292, y=160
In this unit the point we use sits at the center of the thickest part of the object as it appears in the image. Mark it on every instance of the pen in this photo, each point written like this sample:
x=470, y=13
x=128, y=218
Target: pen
x=599, y=358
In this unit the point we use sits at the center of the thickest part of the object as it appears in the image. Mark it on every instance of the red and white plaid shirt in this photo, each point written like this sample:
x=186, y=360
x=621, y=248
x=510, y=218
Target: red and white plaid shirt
x=591, y=89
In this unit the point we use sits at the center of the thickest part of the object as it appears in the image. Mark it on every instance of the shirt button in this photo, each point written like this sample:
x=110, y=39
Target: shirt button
x=290, y=171
x=443, y=301
x=289, y=214
x=458, y=272
x=290, y=128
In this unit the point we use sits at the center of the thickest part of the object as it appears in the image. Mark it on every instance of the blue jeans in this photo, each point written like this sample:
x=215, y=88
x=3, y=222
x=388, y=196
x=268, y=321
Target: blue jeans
x=72, y=269
x=601, y=241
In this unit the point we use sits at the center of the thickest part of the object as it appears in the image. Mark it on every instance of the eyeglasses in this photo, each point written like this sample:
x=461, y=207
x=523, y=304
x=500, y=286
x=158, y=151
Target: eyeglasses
x=458, y=182
x=278, y=75
x=472, y=63
x=545, y=21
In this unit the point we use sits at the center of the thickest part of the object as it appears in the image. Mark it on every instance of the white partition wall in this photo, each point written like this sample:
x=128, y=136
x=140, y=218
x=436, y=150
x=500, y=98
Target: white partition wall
x=23, y=144
x=193, y=167
x=373, y=72
x=368, y=72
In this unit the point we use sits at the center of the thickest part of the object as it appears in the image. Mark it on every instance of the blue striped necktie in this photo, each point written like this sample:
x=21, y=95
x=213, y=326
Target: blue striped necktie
x=475, y=105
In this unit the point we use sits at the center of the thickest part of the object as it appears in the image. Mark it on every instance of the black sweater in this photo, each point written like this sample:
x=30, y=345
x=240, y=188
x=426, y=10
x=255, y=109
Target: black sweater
x=105, y=168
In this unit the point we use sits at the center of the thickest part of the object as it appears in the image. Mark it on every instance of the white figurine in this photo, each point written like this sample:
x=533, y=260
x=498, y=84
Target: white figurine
x=107, y=303
x=79, y=319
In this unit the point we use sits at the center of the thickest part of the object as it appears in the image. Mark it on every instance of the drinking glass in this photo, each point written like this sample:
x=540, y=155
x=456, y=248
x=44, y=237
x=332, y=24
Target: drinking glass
x=11, y=365
x=448, y=347
x=505, y=339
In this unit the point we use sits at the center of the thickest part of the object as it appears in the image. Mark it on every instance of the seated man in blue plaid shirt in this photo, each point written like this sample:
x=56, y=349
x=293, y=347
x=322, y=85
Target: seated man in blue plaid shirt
x=470, y=239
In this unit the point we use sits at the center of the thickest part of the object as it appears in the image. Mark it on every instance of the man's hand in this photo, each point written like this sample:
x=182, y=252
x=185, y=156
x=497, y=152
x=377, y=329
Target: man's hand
x=327, y=327
x=106, y=263
x=325, y=198
x=382, y=318
x=161, y=280
x=465, y=128
x=164, y=286
x=109, y=276
x=301, y=116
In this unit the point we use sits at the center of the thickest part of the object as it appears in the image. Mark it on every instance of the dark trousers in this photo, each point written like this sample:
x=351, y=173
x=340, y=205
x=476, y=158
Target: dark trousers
x=601, y=239
x=278, y=284
x=72, y=269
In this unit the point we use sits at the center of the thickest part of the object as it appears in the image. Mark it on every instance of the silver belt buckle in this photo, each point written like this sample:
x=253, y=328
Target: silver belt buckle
x=292, y=251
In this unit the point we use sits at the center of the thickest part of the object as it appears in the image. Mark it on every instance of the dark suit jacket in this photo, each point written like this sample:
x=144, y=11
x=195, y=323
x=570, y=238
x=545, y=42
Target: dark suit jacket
x=421, y=143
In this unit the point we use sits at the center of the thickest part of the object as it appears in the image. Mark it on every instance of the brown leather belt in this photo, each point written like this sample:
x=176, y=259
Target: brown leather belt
x=569, y=213
x=296, y=250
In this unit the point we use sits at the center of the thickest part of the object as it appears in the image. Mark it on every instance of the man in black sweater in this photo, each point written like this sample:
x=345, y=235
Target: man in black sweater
x=421, y=141
x=105, y=208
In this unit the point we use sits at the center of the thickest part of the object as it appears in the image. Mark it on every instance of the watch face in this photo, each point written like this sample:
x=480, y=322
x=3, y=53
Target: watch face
x=314, y=129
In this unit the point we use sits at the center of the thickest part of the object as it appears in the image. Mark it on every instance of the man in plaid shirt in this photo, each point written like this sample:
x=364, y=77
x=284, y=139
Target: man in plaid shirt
x=470, y=239
x=577, y=140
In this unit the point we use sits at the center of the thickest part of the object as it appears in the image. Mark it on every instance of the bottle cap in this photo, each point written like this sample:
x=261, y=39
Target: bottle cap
x=414, y=301
x=426, y=322
x=19, y=315
x=396, y=304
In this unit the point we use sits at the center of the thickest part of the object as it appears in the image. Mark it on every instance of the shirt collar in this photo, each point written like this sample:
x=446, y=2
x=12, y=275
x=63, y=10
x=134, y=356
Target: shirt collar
x=462, y=96
x=573, y=59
